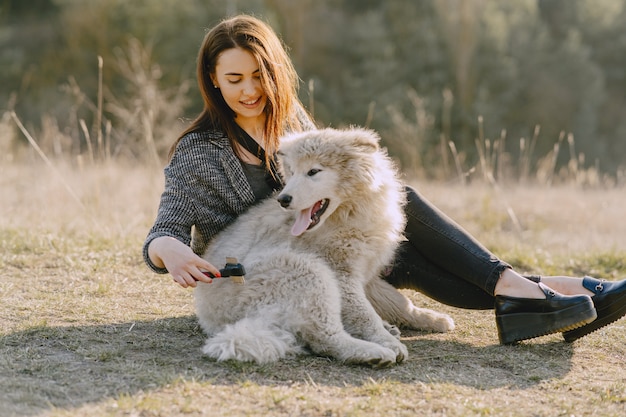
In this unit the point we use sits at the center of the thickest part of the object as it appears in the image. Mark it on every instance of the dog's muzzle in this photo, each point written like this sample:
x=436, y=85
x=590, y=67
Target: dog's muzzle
x=284, y=200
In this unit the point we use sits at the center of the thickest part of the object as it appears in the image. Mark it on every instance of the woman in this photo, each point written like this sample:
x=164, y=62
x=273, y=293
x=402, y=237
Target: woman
x=223, y=163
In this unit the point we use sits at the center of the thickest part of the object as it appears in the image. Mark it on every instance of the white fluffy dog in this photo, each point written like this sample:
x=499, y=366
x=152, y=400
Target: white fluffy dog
x=313, y=265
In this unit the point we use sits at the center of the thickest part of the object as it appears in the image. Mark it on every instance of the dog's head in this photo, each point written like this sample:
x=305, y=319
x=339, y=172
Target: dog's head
x=325, y=170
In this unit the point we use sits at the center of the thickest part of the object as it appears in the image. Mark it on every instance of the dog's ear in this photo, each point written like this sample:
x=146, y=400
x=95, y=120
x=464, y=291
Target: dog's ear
x=366, y=140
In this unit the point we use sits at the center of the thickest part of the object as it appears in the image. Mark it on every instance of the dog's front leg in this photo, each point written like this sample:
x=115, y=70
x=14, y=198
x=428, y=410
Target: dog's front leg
x=361, y=320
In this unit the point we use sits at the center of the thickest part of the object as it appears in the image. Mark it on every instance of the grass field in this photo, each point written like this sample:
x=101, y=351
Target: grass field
x=87, y=330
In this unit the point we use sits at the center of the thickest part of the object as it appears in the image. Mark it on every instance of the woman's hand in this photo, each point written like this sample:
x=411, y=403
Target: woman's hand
x=181, y=262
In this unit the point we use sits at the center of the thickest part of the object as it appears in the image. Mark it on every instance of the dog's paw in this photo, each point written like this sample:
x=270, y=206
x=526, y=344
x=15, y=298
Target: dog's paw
x=378, y=363
x=398, y=347
x=443, y=324
x=427, y=319
x=375, y=356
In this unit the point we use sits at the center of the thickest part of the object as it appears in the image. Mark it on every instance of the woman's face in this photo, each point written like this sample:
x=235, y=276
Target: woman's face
x=238, y=77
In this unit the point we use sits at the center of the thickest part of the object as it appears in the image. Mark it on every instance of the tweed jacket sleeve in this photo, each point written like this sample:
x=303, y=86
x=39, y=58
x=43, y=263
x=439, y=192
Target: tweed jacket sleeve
x=205, y=190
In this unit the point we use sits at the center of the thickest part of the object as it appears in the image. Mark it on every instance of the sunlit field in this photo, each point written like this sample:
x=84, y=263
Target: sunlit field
x=87, y=329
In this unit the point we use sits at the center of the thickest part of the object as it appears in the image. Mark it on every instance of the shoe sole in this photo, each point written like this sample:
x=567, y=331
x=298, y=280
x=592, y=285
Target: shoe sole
x=513, y=328
x=579, y=332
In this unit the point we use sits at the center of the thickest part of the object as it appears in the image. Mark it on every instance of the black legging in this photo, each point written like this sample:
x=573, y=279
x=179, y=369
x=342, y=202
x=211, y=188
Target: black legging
x=442, y=260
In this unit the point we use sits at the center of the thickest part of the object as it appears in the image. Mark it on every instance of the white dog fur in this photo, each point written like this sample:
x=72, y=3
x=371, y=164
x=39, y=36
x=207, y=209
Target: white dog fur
x=316, y=286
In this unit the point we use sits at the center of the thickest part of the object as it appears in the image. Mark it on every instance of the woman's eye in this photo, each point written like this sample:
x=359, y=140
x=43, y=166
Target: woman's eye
x=312, y=172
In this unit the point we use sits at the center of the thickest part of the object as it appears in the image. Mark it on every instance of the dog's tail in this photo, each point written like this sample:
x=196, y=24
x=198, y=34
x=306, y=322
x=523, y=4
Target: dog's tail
x=258, y=339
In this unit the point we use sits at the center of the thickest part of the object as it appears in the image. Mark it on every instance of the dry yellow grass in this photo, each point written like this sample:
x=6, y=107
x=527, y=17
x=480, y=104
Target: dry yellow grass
x=86, y=329
x=555, y=223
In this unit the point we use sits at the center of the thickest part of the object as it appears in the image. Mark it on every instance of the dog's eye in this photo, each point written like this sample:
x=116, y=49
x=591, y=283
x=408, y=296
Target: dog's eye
x=312, y=172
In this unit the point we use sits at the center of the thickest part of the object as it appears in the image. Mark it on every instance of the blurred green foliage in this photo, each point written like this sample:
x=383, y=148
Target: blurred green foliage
x=420, y=72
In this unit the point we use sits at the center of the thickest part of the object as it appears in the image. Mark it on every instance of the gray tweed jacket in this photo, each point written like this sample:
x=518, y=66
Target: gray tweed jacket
x=205, y=190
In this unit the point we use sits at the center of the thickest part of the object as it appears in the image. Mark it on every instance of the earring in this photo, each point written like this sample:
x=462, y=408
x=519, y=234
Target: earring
x=214, y=86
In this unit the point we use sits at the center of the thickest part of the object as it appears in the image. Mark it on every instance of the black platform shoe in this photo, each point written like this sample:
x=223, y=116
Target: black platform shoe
x=525, y=318
x=610, y=301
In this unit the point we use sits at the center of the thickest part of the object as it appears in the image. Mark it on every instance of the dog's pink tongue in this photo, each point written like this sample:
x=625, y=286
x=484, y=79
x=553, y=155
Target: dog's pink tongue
x=302, y=222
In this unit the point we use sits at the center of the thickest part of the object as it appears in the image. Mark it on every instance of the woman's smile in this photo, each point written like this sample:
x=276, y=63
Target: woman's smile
x=251, y=103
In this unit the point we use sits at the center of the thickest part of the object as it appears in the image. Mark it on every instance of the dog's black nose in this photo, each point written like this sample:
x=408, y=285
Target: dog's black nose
x=284, y=200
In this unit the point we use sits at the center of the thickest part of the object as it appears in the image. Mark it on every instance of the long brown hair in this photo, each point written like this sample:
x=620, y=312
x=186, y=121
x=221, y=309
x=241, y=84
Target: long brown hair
x=279, y=81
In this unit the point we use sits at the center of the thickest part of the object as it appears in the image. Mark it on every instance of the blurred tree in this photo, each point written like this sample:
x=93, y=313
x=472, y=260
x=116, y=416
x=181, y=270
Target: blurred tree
x=461, y=31
x=12, y=10
x=544, y=80
x=27, y=31
x=414, y=70
x=602, y=24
